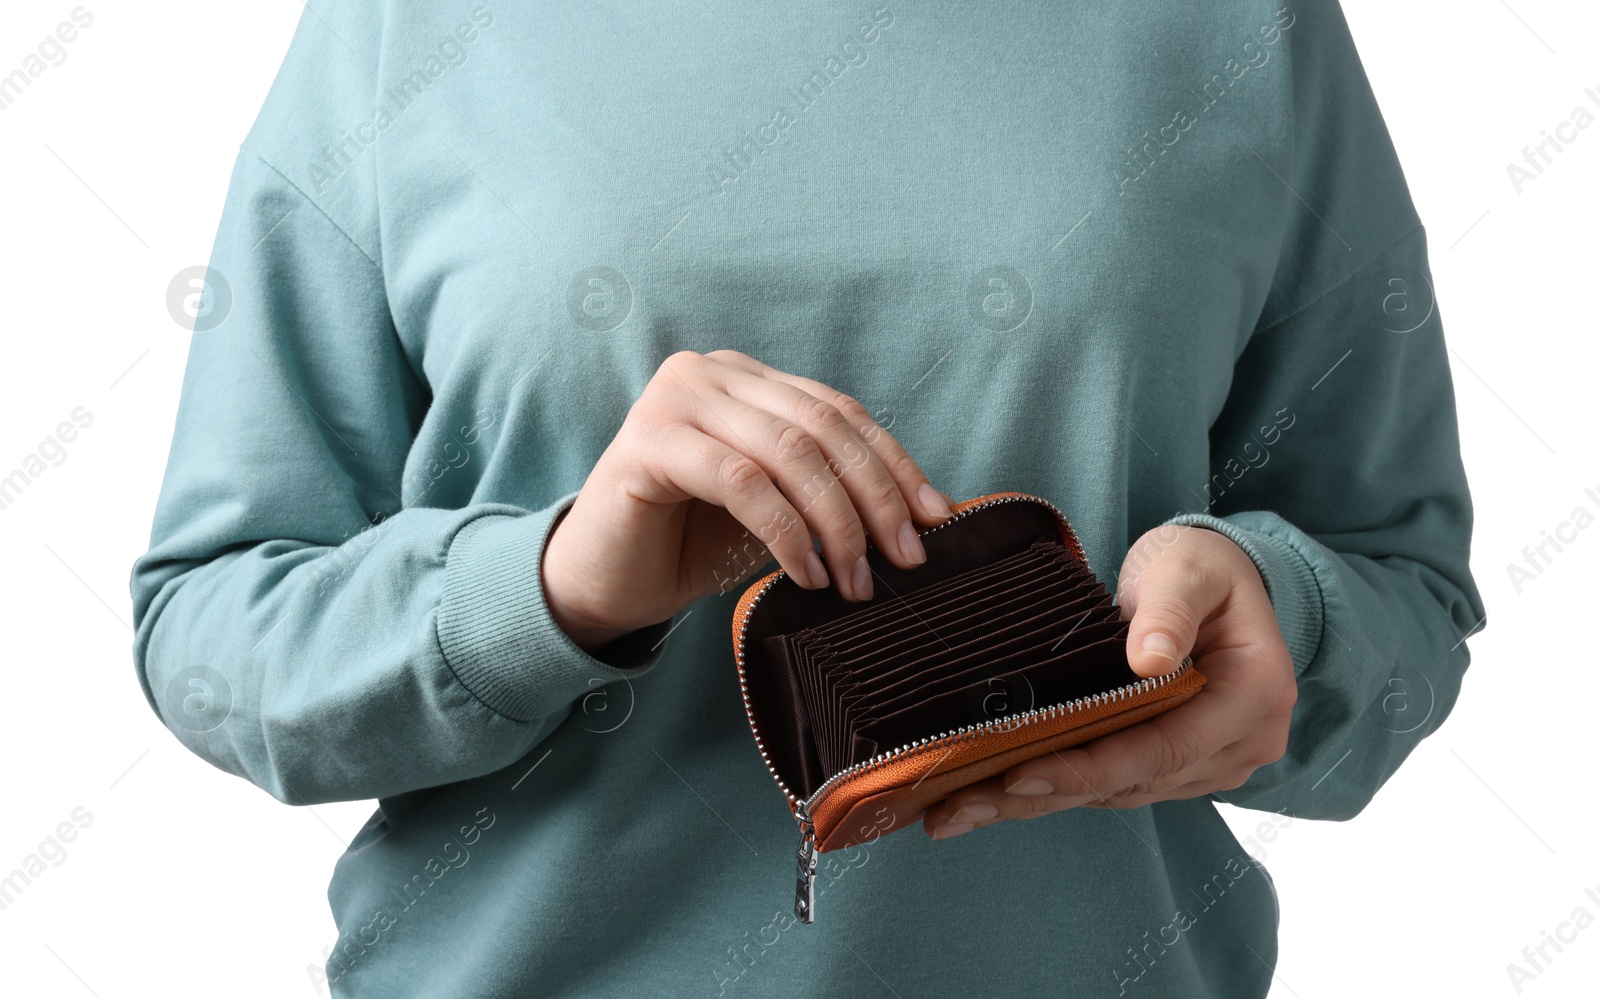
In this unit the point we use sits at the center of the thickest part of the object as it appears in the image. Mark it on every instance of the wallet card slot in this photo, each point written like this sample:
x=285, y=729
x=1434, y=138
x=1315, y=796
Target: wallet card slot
x=1036, y=585
x=853, y=627
x=959, y=602
x=1034, y=625
x=830, y=728
x=1093, y=669
x=977, y=666
x=812, y=656
x=866, y=678
x=841, y=670
x=831, y=737
x=998, y=612
x=849, y=627
x=1010, y=656
x=790, y=732
x=831, y=688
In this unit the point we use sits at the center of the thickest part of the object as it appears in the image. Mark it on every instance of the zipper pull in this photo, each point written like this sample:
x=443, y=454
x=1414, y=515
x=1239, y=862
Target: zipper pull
x=805, y=882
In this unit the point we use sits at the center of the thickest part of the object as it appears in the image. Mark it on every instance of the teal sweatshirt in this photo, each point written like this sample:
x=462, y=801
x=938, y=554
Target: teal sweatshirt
x=1153, y=262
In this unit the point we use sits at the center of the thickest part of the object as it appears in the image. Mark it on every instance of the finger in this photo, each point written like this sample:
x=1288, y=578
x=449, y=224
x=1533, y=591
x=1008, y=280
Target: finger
x=985, y=803
x=870, y=493
x=699, y=465
x=931, y=505
x=1155, y=753
x=1225, y=771
x=1136, y=798
x=783, y=452
x=1165, y=602
x=796, y=461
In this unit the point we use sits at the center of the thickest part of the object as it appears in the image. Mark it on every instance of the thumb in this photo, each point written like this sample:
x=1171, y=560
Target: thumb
x=1165, y=606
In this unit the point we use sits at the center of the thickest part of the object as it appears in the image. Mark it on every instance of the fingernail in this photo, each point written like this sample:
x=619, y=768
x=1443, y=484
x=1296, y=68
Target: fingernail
x=910, y=544
x=1157, y=644
x=976, y=811
x=861, y=579
x=932, y=502
x=1031, y=785
x=814, y=569
x=954, y=829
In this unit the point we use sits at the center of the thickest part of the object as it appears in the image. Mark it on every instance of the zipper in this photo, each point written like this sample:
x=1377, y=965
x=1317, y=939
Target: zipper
x=805, y=890
x=805, y=879
x=806, y=852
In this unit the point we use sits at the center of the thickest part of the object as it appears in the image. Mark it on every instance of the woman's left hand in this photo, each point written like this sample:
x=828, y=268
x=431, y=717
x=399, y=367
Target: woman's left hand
x=1193, y=593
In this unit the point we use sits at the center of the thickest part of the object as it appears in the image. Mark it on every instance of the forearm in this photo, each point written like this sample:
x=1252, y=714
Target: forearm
x=419, y=652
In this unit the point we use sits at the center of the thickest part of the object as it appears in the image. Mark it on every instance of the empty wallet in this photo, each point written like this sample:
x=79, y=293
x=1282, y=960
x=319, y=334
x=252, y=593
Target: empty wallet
x=1003, y=646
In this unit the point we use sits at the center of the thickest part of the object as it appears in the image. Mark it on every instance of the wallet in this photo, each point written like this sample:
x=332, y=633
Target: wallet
x=1003, y=646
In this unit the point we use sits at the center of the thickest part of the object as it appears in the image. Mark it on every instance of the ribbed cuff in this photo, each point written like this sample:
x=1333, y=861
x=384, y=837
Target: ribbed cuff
x=495, y=628
x=1291, y=584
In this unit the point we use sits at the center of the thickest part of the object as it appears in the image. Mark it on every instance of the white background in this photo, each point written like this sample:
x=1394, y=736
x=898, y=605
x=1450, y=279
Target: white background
x=115, y=165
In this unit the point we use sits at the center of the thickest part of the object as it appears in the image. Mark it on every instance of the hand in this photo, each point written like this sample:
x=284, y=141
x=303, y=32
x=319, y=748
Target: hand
x=721, y=465
x=1186, y=591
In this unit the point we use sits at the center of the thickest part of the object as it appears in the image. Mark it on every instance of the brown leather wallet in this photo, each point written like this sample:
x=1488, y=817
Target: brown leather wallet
x=1003, y=646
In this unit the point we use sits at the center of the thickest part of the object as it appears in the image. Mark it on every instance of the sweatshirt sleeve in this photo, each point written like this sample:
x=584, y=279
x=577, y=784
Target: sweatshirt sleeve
x=297, y=624
x=1335, y=459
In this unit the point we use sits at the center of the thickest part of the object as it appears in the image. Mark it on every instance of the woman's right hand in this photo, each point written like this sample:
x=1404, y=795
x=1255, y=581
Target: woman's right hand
x=723, y=464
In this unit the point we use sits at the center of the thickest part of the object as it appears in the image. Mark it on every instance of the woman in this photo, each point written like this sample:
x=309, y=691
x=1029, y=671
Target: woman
x=534, y=324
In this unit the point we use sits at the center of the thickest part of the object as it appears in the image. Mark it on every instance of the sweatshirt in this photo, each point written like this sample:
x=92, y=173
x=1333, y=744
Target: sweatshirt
x=1155, y=263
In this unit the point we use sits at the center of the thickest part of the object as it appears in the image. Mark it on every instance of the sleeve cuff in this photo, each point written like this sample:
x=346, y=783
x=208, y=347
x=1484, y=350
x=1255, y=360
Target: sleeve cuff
x=1290, y=581
x=496, y=632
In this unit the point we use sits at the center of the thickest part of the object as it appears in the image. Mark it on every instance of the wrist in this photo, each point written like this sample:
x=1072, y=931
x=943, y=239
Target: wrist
x=590, y=640
x=585, y=630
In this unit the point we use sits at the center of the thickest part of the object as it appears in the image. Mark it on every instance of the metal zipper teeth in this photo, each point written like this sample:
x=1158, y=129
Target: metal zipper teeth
x=802, y=807
x=1007, y=724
